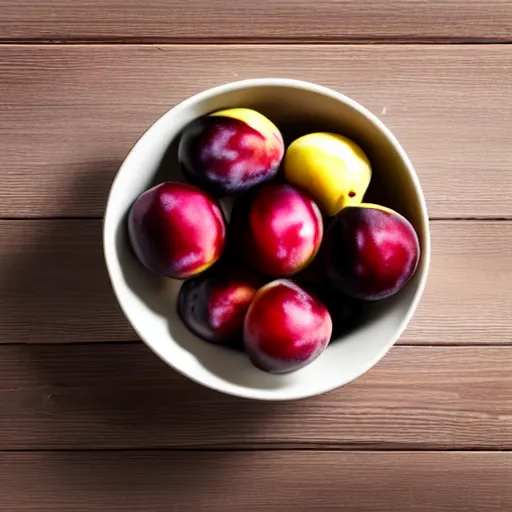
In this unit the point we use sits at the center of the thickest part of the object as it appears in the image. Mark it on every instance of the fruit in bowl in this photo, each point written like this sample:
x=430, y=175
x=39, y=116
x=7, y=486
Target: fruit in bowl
x=286, y=328
x=371, y=252
x=358, y=340
x=278, y=229
x=333, y=168
x=230, y=151
x=176, y=230
x=213, y=305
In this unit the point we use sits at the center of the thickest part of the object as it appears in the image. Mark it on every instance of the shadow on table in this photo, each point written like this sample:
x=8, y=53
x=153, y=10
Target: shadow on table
x=103, y=395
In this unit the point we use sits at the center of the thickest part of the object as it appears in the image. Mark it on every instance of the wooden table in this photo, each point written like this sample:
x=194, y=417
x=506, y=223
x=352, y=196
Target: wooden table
x=90, y=420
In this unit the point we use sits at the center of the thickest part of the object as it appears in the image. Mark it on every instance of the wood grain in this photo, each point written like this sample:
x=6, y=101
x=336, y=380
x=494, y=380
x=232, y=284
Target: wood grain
x=254, y=481
x=469, y=287
x=54, y=286
x=298, y=20
x=89, y=423
x=123, y=396
x=69, y=114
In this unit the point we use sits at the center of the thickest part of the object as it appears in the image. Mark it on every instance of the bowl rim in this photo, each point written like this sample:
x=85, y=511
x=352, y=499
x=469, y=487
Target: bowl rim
x=109, y=247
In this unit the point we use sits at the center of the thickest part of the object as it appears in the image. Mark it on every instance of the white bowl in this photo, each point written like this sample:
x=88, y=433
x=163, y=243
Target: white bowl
x=149, y=302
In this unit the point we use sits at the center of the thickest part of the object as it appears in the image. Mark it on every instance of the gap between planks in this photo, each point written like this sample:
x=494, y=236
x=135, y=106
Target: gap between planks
x=255, y=41
x=262, y=20
x=321, y=448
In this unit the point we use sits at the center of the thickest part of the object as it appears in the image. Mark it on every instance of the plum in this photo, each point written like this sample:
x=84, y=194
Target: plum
x=370, y=251
x=229, y=151
x=213, y=305
x=331, y=167
x=176, y=230
x=278, y=229
x=285, y=328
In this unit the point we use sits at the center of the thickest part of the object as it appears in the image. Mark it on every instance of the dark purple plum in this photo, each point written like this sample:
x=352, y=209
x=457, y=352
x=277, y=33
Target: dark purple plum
x=230, y=151
x=371, y=252
x=213, y=305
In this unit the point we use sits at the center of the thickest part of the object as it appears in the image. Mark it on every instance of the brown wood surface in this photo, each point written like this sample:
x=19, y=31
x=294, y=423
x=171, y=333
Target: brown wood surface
x=296, y=481
x=54, y=287
x=91, y=420
x=70, y=114
x=103, y=396
x=222, y=20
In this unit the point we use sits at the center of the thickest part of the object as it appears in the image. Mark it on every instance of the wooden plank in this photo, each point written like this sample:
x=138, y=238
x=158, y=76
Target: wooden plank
x=469, y=287
x=254, y=481
x=298, y=20
x=69, y=114
x=54, y=287
x=123, y=396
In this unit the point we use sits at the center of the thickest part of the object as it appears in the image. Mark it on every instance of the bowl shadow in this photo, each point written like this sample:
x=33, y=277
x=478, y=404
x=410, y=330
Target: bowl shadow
x=93, y=396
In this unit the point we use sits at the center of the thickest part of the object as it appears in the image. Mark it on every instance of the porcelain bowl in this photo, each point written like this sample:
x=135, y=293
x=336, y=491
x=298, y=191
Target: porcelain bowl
x=149, y=301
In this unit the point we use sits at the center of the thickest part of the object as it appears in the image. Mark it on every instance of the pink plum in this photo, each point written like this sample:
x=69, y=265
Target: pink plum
x=285, y=328
x=277, y=229
x=213, y=305
x=176, y=230
x=229, y=151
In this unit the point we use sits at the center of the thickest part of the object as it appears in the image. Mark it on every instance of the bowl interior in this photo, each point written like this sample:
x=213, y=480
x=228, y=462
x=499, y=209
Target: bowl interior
x=149, y=301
